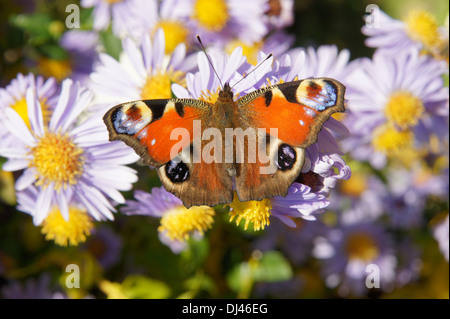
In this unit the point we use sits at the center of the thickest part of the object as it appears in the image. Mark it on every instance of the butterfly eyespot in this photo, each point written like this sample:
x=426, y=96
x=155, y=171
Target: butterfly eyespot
x=286, y=157
x=177, y=171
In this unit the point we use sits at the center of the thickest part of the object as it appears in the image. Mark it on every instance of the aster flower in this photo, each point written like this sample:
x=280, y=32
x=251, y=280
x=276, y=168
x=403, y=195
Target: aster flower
x=405, y=106
x=121, y=14
x=419, y=30
x=14, y=96
x=69, y=160
x=346, y=252
x=143, y=72
x=81, y=48
x=221, y=20
x=279, y=13
x=172, y=16
x=277, y=43
x=178, y=223
x=359, y=198
x=295, y=243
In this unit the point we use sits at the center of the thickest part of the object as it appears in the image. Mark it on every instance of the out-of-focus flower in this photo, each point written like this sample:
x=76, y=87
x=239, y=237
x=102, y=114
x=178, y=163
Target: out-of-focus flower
x=279, y=13
x=178, y=223
x=277, y=43
x=419, y=30
x=143, y=72
x=81, y=48
x=348, y=250
x=69, y=160
x=296, y=243
x=105, y=245
x=39, y=288
x=440, y=232
x=406, y=104
x=121, y=14
x=14, y=96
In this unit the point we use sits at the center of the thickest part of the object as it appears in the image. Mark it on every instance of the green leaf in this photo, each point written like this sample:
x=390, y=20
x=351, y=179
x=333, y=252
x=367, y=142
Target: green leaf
x=111, y=43
x=272, y=267
x=142, y=287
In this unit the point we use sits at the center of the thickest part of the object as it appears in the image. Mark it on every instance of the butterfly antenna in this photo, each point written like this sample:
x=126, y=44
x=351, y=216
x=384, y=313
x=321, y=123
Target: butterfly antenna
x=209, y=60
x=254, y=69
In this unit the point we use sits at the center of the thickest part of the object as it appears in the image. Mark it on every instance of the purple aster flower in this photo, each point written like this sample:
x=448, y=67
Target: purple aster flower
x=70, y=159
x=121, y=14
x=359, y=198
x=440, y=232
x=14, y=96
x=397, y=103
x=279, y=13
x=82, y=50
x=172, y=16
x=178, y=223
x=295, y=243
x=419, y=30
x=221, y=20
x=143, y=72
x=347, y=251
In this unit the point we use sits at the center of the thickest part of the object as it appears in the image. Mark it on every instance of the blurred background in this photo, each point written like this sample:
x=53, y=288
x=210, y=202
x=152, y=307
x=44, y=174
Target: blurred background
x=124, y=258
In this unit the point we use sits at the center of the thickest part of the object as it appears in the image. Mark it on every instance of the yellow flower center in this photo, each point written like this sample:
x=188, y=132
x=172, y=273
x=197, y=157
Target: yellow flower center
x=175, y=33
x=387, y=139
x=57, y=159
x=21, y=108
x=256, y=212
x=158, y=86
x=404, y=110
x=112, y=1
x=361, y=246
x=422, y=26
x=211, y=14
x=355, y=185
x=71, y=232
x=209, y=97
x=250, y=51
x=59, y=69
x=179, y=222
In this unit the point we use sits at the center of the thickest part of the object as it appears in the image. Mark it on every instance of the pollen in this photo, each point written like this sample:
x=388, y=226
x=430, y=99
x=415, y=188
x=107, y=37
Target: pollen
x=175, y=33
x=250, y=51
x=158, y=85
x=355, y=185
x=256, y=212
x=404, y=109
x=71, y=232
x=180, y=222
x=59, y=69
x=387, y=139
x=211, y=14
x=361, y=246
x=21, y=108
x=57, y=160
x=422, y=26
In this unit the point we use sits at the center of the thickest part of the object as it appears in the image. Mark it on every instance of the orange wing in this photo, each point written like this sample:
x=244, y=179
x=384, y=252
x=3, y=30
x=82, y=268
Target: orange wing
x=297, y=111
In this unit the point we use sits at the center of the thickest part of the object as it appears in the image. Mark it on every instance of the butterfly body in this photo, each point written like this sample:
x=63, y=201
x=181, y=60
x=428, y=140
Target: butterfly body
x=255, y=145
